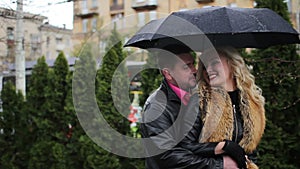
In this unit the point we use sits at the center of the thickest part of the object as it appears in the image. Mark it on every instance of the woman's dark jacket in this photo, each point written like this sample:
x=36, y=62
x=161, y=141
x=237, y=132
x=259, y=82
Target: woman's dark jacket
x=222, y=116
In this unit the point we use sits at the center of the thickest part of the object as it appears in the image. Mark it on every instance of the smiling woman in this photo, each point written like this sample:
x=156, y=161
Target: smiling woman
x=231, y=108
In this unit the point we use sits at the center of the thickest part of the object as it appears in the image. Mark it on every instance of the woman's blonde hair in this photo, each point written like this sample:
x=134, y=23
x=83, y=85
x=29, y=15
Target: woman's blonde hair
x=245, y=81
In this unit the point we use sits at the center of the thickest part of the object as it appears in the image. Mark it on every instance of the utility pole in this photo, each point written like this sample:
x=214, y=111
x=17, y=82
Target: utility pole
x=19, y=53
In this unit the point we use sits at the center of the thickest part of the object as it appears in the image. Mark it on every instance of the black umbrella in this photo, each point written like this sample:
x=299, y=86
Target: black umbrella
x=217, y=26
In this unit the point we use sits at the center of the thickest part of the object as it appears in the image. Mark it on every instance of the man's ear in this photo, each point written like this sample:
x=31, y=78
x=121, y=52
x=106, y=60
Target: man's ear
x=167, y=74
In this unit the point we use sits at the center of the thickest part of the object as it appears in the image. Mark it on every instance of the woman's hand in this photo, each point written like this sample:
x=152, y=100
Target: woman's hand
x=218, y=149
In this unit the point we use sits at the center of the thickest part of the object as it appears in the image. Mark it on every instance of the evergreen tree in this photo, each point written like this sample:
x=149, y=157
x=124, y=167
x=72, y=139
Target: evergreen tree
x=61, y=71
x=37, y=101
x=47, y=154
x=151, y=78
x=49, y=87
x=114, y=71
x=56, y=94
x=90, y=155
x=276, y=70
x=83, y=87
x=14, y=129
x=79, y=142
x=95, y=157
x=75, y=130
x=85, y=65
x=112, y=93
x=71, y=121
x=37, y=89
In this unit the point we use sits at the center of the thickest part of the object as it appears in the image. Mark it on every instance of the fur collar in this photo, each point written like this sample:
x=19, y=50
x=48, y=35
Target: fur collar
x=218, y=119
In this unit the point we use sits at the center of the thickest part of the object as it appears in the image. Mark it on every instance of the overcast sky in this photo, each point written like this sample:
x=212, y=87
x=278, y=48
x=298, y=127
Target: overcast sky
x=59, y=12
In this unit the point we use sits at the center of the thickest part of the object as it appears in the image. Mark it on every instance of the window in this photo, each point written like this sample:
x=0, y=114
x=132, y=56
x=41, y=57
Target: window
x=94, y=24
x=10, y=33
x=84, y=4
x=233, y=5
x=35, y=42
x=84, y=25
x=126, y=39
x=10, y=38
x=48, y=55
x=152, y=15
x=95, y=3
x=48, y=41
x=58, y=52
x=152, y=2
x=59, y=40
x=102, y=46
x=139, y=1
x=141, y=18
x=68, y=42
x=115, y=2
x=183, y=9
x=117, y=20
x=289, y=5
x=35, y=45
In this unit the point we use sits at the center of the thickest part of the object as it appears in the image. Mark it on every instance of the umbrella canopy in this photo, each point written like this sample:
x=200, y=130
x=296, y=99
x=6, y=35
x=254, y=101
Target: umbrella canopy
x=217, y=26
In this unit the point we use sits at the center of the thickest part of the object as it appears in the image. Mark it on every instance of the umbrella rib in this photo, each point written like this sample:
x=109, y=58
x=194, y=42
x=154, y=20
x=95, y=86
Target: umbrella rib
x=157, y=30
x=228, y=20
x=259, y=23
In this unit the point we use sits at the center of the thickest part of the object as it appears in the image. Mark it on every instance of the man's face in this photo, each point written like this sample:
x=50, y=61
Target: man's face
x=183, y=72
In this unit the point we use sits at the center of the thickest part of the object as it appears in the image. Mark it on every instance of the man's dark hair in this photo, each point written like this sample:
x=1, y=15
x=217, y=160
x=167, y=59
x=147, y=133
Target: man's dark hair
x=167, y=57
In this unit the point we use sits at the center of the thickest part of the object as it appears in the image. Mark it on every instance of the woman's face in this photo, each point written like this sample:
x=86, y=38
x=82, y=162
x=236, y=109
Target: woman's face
x=217, y=72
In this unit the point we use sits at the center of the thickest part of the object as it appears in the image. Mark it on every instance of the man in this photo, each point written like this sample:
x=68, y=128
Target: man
x=166, y=110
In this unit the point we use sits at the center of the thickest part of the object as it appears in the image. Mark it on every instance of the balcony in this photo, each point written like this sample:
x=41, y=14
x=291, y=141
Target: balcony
x=204, y=1
x=144, y=4
x=116, y=8
x=85, y=13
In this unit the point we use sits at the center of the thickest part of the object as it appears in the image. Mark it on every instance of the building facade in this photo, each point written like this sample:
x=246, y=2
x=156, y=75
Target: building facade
x=39, y=38
x=55, y=40
x=92, y=18
x=294, y=10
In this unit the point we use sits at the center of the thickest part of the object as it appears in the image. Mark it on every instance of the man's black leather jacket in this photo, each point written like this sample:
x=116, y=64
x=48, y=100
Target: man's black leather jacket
x=163, y=122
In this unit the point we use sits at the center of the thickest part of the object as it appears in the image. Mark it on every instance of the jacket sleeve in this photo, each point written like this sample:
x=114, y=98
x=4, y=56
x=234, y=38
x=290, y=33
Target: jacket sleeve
x=191, y=128
x=167, y=135
x=180, y=157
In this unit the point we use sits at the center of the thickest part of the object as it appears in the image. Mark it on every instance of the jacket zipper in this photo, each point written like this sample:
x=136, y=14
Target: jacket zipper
x=235, y=121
